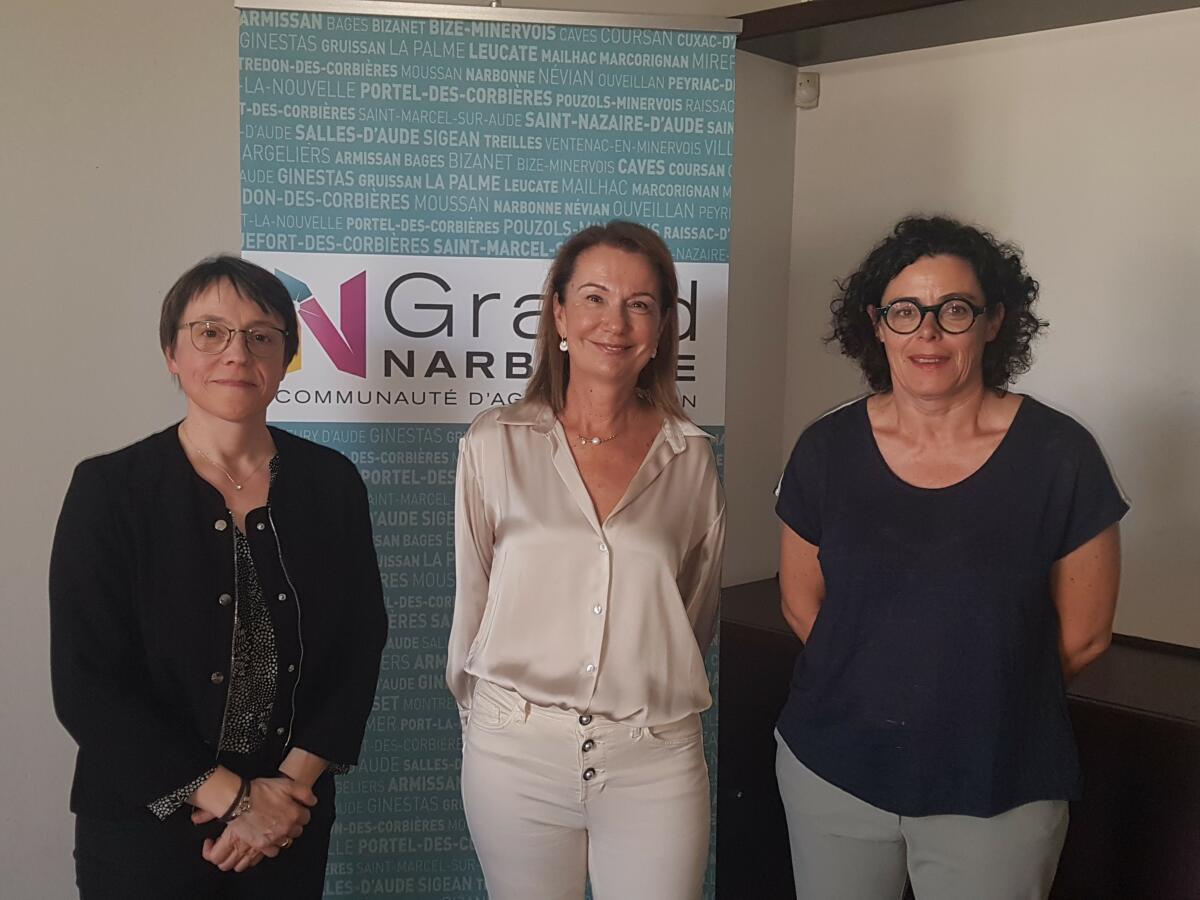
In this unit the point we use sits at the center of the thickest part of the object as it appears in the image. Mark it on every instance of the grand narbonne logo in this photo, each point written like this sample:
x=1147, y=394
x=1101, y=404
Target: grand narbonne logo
x=347, y=348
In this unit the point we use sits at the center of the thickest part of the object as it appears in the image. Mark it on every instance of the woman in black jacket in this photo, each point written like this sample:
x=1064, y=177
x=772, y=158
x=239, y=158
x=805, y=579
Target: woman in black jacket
x=216, y=621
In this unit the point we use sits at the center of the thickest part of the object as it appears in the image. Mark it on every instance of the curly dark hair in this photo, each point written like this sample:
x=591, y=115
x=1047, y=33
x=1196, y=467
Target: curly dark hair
x=1001, y=273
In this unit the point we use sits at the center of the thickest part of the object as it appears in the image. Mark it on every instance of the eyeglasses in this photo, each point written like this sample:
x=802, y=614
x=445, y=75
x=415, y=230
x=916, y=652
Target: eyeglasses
x=954, y=316
x=213, y=337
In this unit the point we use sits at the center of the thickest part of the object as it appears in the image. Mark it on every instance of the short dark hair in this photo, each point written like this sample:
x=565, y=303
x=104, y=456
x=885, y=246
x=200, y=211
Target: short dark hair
x=253, y=282
x=998, y=267
x=552, y=371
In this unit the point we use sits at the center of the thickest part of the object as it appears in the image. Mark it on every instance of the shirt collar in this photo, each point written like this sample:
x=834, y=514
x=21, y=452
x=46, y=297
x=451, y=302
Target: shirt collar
x=541, y=418
x=536, y=415
x=677, y=431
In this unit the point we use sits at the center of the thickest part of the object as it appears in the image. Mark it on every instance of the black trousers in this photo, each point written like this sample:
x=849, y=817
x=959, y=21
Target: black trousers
x=147, y=859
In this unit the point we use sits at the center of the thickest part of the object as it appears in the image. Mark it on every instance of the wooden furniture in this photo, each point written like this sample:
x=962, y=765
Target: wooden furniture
x=1135, y=835
x=821, y=31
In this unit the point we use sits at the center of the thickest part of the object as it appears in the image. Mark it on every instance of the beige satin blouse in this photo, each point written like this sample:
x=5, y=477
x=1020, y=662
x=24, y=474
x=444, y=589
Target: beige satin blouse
x=609, y=618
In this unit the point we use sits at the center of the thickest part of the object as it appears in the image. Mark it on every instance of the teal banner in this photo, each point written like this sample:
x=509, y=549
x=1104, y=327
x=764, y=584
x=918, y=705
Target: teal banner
x=427, y=137
x=409, y=180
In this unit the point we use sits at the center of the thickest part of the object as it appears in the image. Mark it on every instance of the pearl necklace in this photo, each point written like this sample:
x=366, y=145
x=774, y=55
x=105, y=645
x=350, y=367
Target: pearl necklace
x=215, y=464
x=593, y=441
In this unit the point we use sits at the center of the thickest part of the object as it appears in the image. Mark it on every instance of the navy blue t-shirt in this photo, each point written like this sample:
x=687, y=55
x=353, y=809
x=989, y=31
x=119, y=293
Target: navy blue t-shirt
x=931, y=682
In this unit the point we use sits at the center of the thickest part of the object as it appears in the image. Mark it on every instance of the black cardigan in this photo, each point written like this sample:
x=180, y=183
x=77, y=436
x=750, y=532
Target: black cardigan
x=141, y=615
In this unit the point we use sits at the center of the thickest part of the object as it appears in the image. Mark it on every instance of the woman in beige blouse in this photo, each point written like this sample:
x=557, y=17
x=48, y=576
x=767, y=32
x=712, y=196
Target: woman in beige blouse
x=589, y=529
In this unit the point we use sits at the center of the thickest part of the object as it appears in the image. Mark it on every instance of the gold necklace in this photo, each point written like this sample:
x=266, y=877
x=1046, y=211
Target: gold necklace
x=213, y=462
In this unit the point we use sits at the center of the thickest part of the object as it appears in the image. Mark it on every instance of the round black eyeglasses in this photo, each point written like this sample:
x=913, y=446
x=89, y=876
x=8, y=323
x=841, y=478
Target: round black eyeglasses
x=954, y=316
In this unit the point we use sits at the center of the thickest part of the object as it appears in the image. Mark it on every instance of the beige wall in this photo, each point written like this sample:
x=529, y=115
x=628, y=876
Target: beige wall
x=118, y=169
x=763, y=156
x=1082, y=145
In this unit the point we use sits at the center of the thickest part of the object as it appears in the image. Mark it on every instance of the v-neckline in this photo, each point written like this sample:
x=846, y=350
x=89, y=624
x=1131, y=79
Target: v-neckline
x=568, y=470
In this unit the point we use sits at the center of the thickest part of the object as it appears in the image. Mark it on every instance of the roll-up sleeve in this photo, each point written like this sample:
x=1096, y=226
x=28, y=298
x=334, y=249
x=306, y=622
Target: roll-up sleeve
x=98, y=667
x=474, y=538
x=333, y=727
x=700, y=581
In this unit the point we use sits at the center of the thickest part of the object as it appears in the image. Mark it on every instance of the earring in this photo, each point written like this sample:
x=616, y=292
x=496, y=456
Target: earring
x=654, y=355
x=562, y=345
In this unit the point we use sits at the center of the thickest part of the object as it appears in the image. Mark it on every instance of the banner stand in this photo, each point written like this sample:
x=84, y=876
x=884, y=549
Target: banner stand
x=408, y=171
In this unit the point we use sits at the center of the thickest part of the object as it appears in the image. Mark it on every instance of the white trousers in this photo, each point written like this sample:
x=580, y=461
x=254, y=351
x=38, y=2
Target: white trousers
x=552, y=797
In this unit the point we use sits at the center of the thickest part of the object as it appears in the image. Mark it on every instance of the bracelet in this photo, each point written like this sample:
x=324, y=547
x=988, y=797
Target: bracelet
x=244, y=806
x=237, y=798
x=240, y=805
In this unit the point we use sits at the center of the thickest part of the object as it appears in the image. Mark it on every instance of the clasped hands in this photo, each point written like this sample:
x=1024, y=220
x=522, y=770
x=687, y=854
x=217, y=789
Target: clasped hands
x=279, y=810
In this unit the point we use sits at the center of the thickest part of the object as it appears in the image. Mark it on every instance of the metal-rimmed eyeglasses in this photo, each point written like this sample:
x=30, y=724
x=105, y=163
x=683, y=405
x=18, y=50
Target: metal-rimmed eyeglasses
x=265, y=341
x=953, y=315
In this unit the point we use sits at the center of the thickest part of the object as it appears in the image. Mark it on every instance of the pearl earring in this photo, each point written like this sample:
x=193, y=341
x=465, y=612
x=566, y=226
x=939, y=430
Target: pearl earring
x=562, y=345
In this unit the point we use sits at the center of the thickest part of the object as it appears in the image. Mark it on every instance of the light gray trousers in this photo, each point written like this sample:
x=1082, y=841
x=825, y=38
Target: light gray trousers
x=551, y=798
x=846, y=849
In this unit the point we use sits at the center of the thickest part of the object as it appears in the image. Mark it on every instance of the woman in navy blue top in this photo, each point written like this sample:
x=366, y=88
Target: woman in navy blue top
x=950, y=557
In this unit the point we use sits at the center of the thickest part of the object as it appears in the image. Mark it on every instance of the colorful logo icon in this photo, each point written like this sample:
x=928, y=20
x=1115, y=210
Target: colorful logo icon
x=347, y=348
